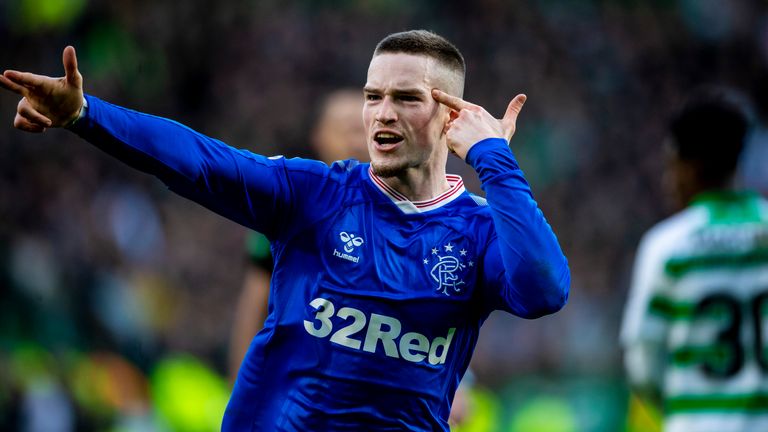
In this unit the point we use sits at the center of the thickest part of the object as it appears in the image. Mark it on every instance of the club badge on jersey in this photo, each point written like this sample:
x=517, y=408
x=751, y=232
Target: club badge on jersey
x=448, y=267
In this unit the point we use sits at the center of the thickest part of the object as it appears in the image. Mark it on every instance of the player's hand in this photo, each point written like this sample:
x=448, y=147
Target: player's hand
x=471, y=123
x=46, y=101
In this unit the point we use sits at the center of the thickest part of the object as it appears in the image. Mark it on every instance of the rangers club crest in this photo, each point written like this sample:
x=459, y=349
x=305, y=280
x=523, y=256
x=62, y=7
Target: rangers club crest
x=448, y=267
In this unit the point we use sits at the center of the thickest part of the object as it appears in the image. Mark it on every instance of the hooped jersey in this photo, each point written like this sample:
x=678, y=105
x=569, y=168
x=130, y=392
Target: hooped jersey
x=376, y=302
x=696, y=323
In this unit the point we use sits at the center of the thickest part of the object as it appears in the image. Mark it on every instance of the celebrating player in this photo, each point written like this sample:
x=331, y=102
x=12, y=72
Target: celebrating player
x=384, y=272
x=694, y=330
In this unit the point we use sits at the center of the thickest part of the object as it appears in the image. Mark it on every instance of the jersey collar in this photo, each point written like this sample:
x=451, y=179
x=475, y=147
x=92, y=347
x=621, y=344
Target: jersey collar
x=410, y=207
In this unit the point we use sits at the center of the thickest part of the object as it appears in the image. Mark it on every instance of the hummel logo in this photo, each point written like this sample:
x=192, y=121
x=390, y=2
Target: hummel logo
x=351, y=241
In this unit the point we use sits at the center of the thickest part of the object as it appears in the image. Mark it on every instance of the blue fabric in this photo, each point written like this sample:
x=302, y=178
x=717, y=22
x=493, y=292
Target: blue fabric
x=373, y=313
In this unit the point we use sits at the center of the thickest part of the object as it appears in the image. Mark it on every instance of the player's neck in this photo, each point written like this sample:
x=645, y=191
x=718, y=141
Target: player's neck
x=420, y=184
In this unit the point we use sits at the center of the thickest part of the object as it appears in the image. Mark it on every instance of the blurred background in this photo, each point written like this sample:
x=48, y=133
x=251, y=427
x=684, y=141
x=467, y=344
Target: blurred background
x=117, y=297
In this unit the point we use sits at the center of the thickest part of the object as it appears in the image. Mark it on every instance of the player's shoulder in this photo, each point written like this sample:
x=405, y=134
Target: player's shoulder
x=474, y=205
x=470, y=212
x=477, y=202
x=299, y=165
x=672, y=233
x=347, y=167
x=349, y=172
x=340, y=171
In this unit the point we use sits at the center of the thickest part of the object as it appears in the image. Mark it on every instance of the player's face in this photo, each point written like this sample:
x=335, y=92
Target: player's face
x=404, y=124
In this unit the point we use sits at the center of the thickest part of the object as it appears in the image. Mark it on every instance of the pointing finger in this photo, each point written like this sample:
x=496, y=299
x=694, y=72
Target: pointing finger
x=26, y=111
x=452, y=102
x=69, y=58
x=25, y=79
x=12, y=86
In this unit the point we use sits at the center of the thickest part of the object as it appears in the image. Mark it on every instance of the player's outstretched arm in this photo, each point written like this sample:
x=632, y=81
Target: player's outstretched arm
x=524, y=266
x=46, y=102
x=250, y=189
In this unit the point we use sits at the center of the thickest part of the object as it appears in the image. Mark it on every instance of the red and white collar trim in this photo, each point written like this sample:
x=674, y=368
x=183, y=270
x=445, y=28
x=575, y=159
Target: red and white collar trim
x=456, y=189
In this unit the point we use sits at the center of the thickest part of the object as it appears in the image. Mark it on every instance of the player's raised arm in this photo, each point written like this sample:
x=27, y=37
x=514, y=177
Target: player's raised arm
x=250, y=189
x=524, y=265
x=46, y=101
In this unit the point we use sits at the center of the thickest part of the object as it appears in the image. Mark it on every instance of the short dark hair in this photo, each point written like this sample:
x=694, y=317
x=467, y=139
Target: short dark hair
x=423, y=42
x=710, y=130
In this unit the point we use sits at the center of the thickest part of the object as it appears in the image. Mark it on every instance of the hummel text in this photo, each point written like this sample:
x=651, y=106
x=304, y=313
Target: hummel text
x=347, y=257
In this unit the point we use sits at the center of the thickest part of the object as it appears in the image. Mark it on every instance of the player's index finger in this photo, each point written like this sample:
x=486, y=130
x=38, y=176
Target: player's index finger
x=12, y=86
x=452, y=102
x=25, y=79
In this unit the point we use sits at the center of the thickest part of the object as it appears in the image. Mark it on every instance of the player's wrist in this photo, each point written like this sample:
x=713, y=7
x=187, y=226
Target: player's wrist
x=80, y=114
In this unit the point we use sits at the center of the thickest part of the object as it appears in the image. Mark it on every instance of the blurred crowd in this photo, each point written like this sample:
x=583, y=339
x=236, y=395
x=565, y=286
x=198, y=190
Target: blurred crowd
x=113, y=290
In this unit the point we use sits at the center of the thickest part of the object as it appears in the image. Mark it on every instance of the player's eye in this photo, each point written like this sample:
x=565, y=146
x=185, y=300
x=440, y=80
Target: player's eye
x=409, y=98
x=372, y=97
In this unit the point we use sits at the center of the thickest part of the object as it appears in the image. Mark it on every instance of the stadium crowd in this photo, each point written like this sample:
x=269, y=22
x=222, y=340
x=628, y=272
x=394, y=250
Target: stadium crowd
x=111, y=287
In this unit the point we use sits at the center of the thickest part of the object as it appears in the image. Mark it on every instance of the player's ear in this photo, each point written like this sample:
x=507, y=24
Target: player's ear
x=451, y=116
x=448, y=115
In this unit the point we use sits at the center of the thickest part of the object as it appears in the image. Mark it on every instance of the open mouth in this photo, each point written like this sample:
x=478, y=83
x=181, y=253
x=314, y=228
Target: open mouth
x=387, y=140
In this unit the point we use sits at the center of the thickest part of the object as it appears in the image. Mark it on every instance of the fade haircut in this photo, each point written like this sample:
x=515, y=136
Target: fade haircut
x=426, y=43
x=710, y=130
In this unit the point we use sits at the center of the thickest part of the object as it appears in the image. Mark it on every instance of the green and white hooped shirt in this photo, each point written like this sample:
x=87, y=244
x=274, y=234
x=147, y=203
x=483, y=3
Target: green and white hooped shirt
x=696, y=322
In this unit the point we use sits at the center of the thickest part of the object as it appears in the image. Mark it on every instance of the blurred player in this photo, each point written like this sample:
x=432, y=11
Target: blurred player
x=384, y=272
x=338, y=135
x=696, y=323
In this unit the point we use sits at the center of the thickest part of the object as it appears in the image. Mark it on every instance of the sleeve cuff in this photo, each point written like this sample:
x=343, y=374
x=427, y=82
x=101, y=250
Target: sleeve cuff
x=80, y=115
x=486, y=145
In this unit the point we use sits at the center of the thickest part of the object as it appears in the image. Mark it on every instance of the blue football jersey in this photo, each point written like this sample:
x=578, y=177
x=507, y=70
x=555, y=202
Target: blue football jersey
x=376, y=302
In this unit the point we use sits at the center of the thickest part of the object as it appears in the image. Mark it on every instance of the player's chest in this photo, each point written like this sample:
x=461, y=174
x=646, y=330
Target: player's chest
x=422, y=257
